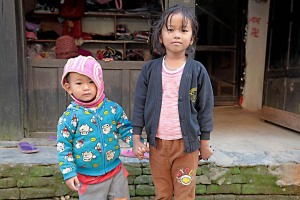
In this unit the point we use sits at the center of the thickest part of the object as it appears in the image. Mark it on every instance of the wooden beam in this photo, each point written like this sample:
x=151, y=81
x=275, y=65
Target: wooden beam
x=281, y=117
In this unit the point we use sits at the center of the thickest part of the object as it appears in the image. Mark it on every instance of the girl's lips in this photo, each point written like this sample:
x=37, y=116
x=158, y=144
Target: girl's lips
x=176, y=42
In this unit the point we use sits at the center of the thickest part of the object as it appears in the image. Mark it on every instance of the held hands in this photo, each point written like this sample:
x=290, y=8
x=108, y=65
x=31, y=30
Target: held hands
x=73, y=183
x=139, y=148
x=205, y=150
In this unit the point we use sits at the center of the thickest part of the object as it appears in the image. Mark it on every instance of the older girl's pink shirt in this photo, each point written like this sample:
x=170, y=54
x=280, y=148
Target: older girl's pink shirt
x=169, y=125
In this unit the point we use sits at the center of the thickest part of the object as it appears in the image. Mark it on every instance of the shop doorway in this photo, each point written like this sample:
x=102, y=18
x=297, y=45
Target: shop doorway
x=221, y=47
x=282, y=72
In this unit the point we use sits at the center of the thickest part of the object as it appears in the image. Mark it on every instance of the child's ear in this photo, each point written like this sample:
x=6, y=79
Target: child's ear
x=192, y=41
x=67, y=88
x=160, y=40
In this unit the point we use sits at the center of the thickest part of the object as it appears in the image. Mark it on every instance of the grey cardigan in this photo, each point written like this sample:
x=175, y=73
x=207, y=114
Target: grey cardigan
x=195, y=103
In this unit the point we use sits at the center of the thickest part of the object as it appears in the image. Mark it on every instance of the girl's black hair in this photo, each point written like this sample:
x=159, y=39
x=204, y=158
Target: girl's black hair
x=158, y=26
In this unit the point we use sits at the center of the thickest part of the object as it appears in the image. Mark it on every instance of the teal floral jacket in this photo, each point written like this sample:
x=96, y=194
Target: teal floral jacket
x=88, y=139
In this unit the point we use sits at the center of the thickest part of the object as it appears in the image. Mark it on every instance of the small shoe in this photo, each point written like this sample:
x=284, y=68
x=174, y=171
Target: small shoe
x=26, y=147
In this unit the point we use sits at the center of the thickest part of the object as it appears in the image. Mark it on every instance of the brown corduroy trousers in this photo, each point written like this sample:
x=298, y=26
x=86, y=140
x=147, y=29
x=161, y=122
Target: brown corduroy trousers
x=173, y=171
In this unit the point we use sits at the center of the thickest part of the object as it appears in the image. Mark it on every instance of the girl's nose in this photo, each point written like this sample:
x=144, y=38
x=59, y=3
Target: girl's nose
x=176, y=35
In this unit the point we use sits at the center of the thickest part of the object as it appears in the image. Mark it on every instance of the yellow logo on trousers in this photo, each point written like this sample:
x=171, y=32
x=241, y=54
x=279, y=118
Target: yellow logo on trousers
x=184, y=176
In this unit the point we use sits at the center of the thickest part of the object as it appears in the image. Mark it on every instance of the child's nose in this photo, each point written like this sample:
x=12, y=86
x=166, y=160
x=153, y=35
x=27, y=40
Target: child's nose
x=86, y=87
x=176, y=34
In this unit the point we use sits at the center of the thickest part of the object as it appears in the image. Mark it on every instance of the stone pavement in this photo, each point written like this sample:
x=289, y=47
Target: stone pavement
x=240, y=138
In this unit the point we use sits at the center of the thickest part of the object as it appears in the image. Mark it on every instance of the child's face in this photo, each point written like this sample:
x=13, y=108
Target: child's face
x=81, y=87
x=178, y=35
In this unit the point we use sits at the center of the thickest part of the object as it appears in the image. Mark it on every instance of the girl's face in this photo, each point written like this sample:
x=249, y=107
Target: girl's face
x=177, y=36
x=81, y=87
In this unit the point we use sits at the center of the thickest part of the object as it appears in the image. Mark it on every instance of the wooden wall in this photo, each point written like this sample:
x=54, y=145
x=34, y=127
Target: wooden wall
x=11, y=76
x=47, y=100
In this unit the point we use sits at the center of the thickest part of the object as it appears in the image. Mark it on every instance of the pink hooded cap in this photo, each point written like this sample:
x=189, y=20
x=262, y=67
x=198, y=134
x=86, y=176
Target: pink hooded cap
x=88, y=66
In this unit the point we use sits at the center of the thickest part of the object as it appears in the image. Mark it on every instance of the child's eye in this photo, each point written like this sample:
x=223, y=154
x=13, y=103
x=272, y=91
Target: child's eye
x=184, y=30
x=78, y=83
x=169, y=29
x=91, y=82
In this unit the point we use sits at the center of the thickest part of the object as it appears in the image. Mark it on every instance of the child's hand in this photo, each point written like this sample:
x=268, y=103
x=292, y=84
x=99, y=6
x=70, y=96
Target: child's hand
x=205, y=150
x=139, y=149
x=73, y=183
x=142, y=151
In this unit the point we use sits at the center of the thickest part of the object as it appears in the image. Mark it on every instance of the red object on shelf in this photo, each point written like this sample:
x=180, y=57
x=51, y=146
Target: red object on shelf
x=71, y=9
x=73, y=28
x=66, y=47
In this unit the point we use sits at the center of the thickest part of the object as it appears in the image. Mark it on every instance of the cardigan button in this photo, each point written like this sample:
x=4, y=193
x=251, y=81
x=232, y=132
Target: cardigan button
x=181, y=117
x=180, y=99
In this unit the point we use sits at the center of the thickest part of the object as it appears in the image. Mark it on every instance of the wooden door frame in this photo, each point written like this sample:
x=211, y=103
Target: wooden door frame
x=277, y=81
x=238, y=50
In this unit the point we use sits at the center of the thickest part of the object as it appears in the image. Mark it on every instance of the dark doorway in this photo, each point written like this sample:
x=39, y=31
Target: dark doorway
x=282, y=73
x=220, y=45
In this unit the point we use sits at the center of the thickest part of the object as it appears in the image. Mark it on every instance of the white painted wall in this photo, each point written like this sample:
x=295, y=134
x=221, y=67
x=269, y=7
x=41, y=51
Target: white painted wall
x=258, y=14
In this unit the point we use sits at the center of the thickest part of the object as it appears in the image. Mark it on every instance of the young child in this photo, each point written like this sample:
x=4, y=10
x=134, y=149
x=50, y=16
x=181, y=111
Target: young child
x=88, y=134
x=174, y=102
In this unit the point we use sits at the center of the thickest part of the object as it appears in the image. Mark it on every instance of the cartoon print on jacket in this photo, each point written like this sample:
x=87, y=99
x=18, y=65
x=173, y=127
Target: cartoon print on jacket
x=119, y=125
x=88, y=156
x=113, y=109
x=67, y=170
x=124, y=116
x=98, y=147
x=110, y=155
x=93, y=120
x=86, y=111
x=61, y=120
x=117, y=135
x=69, y=157
x=79, y=144
x=127, y=140
x=60, y=147
x=106, y=128
x=74, y=121
x=65, y=132
x=94, y=141
x=85, y=129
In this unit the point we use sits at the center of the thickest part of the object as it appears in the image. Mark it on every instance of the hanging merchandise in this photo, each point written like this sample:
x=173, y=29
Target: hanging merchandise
x=73, y=27
x=103, y=1
x=48, y=6
x=118, y=3
x=71, y=9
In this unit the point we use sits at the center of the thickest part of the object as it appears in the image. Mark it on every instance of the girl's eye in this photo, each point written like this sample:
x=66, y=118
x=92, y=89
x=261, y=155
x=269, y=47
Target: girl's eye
x=169, y=30
x=78, y=83
x=184, y=30
x=91, y=81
